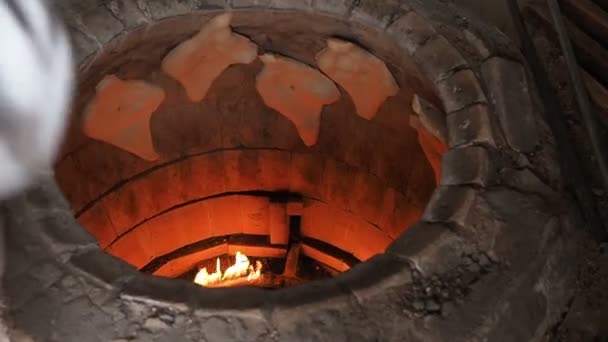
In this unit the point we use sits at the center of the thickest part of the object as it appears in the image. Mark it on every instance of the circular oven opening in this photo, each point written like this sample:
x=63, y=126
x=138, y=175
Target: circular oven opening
x=151, y=186
x=249, y=149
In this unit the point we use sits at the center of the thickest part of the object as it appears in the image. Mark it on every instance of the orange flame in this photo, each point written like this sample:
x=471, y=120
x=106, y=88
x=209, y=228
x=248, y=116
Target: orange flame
x=241, y=268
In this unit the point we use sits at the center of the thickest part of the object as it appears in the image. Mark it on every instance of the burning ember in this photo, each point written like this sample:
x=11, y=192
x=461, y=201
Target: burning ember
x=241, y=269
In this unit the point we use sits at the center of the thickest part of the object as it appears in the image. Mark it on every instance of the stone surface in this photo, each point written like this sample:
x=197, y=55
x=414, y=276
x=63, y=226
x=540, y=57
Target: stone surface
x=510, y=94
x=438, y=58
x=354, y=69
x=100, y=23
x=378, y=14
x=197, y=62
x=411, y=31
x=450, y=204
x=128, y=12
x=328, y=317
x=291, y=4
x=120, y=115
x=478, y=43
x=249, y=328
x=297, y=91
x=209, y=4
x=460, y=90
x=339, y=8
x=250, y=3
x=537, y=221
x=526, y=181
x=63, y=235
x=109, y=270
x=466, y=166
x=375, y=277
x=470, y=126
x=155, y=325
x=430, y=248
x=481, y=292
x=167, y=8
x=83, y=45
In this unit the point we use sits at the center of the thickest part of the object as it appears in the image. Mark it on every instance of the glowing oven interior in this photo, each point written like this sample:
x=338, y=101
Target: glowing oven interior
x=250, y=152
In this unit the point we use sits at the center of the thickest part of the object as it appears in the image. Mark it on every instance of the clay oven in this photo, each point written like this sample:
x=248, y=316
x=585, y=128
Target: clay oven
x=382, y=166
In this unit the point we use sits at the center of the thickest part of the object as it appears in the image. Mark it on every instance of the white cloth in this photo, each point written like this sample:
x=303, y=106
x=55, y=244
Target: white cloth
x=36, y=76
